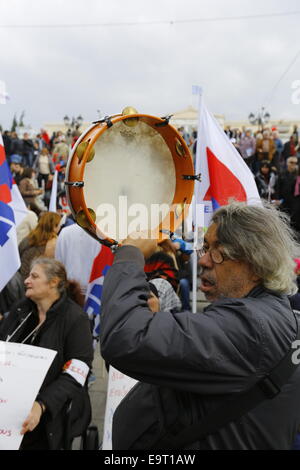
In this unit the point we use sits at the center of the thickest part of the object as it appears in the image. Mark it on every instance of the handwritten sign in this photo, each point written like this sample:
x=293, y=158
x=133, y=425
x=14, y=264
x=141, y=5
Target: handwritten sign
x=22, y=372
x=118, y=386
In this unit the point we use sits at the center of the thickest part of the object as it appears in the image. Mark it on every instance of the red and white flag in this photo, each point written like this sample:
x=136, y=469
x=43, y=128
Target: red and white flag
x=224, y=177
x=224, y=174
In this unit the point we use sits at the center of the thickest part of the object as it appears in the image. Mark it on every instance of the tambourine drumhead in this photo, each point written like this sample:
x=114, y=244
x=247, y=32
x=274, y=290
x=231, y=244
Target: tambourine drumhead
x=132, y=172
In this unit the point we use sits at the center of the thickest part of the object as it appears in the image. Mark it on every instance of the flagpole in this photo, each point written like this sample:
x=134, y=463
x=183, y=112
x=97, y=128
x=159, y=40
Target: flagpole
x=199, y=92
x=52, y=204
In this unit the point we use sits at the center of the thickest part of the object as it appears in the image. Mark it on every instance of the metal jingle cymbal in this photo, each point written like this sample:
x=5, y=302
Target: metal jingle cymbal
x=130, y=122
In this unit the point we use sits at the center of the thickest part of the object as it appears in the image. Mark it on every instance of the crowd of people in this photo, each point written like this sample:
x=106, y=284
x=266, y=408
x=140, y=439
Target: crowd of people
x=275, y=165
x=33, y=162
x=43, y=304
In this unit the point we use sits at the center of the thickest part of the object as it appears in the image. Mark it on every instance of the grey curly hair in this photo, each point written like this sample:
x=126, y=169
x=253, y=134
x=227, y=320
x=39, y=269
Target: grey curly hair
x=262, y=237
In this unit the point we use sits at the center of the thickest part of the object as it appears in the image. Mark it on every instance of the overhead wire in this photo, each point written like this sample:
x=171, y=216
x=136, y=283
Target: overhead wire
x=153, y=22
x=285, y=72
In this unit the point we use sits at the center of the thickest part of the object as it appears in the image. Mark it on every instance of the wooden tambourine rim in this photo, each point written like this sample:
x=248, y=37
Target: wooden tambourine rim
x=75, y=171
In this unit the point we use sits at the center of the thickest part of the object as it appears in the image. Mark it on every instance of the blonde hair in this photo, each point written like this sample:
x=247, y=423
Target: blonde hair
x=45, y=229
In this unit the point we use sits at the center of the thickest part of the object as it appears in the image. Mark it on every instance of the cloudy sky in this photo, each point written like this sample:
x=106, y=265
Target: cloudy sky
x=75, y=57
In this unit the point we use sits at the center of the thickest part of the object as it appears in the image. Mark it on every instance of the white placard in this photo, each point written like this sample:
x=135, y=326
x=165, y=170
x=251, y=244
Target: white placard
x=22, y=372
x=118, y=386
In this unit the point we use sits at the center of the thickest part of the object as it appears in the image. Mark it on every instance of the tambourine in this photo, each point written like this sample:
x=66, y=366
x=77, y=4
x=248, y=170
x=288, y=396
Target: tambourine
x=129, y=172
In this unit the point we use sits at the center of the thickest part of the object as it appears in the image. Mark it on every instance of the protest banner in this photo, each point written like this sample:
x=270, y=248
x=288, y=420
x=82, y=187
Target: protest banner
x=118, y=386
x=22, y=372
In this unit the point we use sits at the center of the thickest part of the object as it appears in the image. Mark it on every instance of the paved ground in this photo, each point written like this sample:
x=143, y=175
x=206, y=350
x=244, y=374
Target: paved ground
x=98, y=393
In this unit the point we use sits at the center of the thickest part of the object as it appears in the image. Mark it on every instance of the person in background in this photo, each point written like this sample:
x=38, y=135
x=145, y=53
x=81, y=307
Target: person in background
x=17, y=170
x=286, y=185
x=7, y=143
x=266, y=181
x=184, y=250
x=43, y=166
x=16, y=149
x=295, y=134
x=28, y=224
x=279, y=147
x=50, y=317
x=289, y=150
x=11, y=293
x=295, y=214
x=27, y=187
x=52, y=140
x=60, y=150
x=265, y=147
x=40, y=241
x=168, y=299
x=36, y=149
x=247, y=148
x=27, y=150
x=162, y=265
x=45, y=138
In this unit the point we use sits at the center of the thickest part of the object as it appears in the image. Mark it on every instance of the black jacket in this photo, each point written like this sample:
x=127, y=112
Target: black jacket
x=16, y=146
x=27, y=147
x=286, y=189
x=67, y=331
x=197, y=361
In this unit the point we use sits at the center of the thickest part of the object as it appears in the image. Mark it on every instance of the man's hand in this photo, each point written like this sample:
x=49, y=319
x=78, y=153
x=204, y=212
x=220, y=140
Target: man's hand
x=146, y=245
x=32, y=419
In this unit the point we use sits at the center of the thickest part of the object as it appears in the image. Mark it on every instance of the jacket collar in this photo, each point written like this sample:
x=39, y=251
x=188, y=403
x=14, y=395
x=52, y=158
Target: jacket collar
x=257, y=291
x=26, y=305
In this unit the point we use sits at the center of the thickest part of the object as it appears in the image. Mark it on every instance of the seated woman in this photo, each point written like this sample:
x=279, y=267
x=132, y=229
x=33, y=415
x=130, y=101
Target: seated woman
x=48, y=317
x=40, y=241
